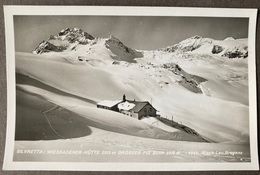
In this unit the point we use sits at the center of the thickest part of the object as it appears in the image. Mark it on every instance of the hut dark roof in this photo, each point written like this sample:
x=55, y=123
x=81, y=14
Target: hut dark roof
x=139, y=105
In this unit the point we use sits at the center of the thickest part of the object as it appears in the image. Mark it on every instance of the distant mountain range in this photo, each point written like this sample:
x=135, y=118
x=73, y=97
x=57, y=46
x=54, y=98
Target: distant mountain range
x=70, y=38
x=79, y=47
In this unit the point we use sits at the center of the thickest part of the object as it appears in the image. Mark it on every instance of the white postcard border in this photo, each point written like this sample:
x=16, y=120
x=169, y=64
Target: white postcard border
x=10, y=11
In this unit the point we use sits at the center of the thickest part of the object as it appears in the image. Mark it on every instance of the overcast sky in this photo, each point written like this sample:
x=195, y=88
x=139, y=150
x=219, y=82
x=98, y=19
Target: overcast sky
x=144, y=33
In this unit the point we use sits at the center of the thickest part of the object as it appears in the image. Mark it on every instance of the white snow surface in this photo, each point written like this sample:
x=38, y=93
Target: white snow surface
x=206, y=92
x=125, y=106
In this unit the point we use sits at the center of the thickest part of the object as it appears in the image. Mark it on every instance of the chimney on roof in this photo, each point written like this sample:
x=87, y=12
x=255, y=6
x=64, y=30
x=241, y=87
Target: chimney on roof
x=124, y=98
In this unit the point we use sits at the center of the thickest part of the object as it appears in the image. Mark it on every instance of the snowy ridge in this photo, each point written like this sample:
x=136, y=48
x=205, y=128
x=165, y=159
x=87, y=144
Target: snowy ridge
x=121, y=51
x=229, y=47
x=189, y=44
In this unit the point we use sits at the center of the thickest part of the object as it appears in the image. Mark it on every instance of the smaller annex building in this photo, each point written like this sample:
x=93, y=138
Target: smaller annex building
x=110, y=105
x=132, y=108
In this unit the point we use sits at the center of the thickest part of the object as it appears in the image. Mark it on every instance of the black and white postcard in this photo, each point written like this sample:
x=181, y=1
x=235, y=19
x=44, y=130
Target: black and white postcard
x=130, y=88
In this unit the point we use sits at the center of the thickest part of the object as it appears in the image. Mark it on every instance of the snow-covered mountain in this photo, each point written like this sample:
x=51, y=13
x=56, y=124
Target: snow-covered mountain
x=66, y=39
x=229, y=47
x=192, y=83
x=79, y=47
x=189, y=44
x=166, y=67
x=74, y=39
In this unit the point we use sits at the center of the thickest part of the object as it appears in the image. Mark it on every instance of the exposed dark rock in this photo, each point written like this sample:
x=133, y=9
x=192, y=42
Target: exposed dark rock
x=45, y=46
x=71, y=35
x=217, y=49
x=235, y=54
x=116, y=62
x=74, y=34
x=113, y=41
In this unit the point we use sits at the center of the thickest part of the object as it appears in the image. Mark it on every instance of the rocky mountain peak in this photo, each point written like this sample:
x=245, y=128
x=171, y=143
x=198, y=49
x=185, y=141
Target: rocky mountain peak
x=196, y=37
x=114, y=39
x=63, y=40
x=74, y=34
x=112, y=42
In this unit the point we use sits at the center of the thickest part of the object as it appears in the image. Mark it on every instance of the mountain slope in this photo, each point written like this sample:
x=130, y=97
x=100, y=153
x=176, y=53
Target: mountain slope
x=192, y=82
